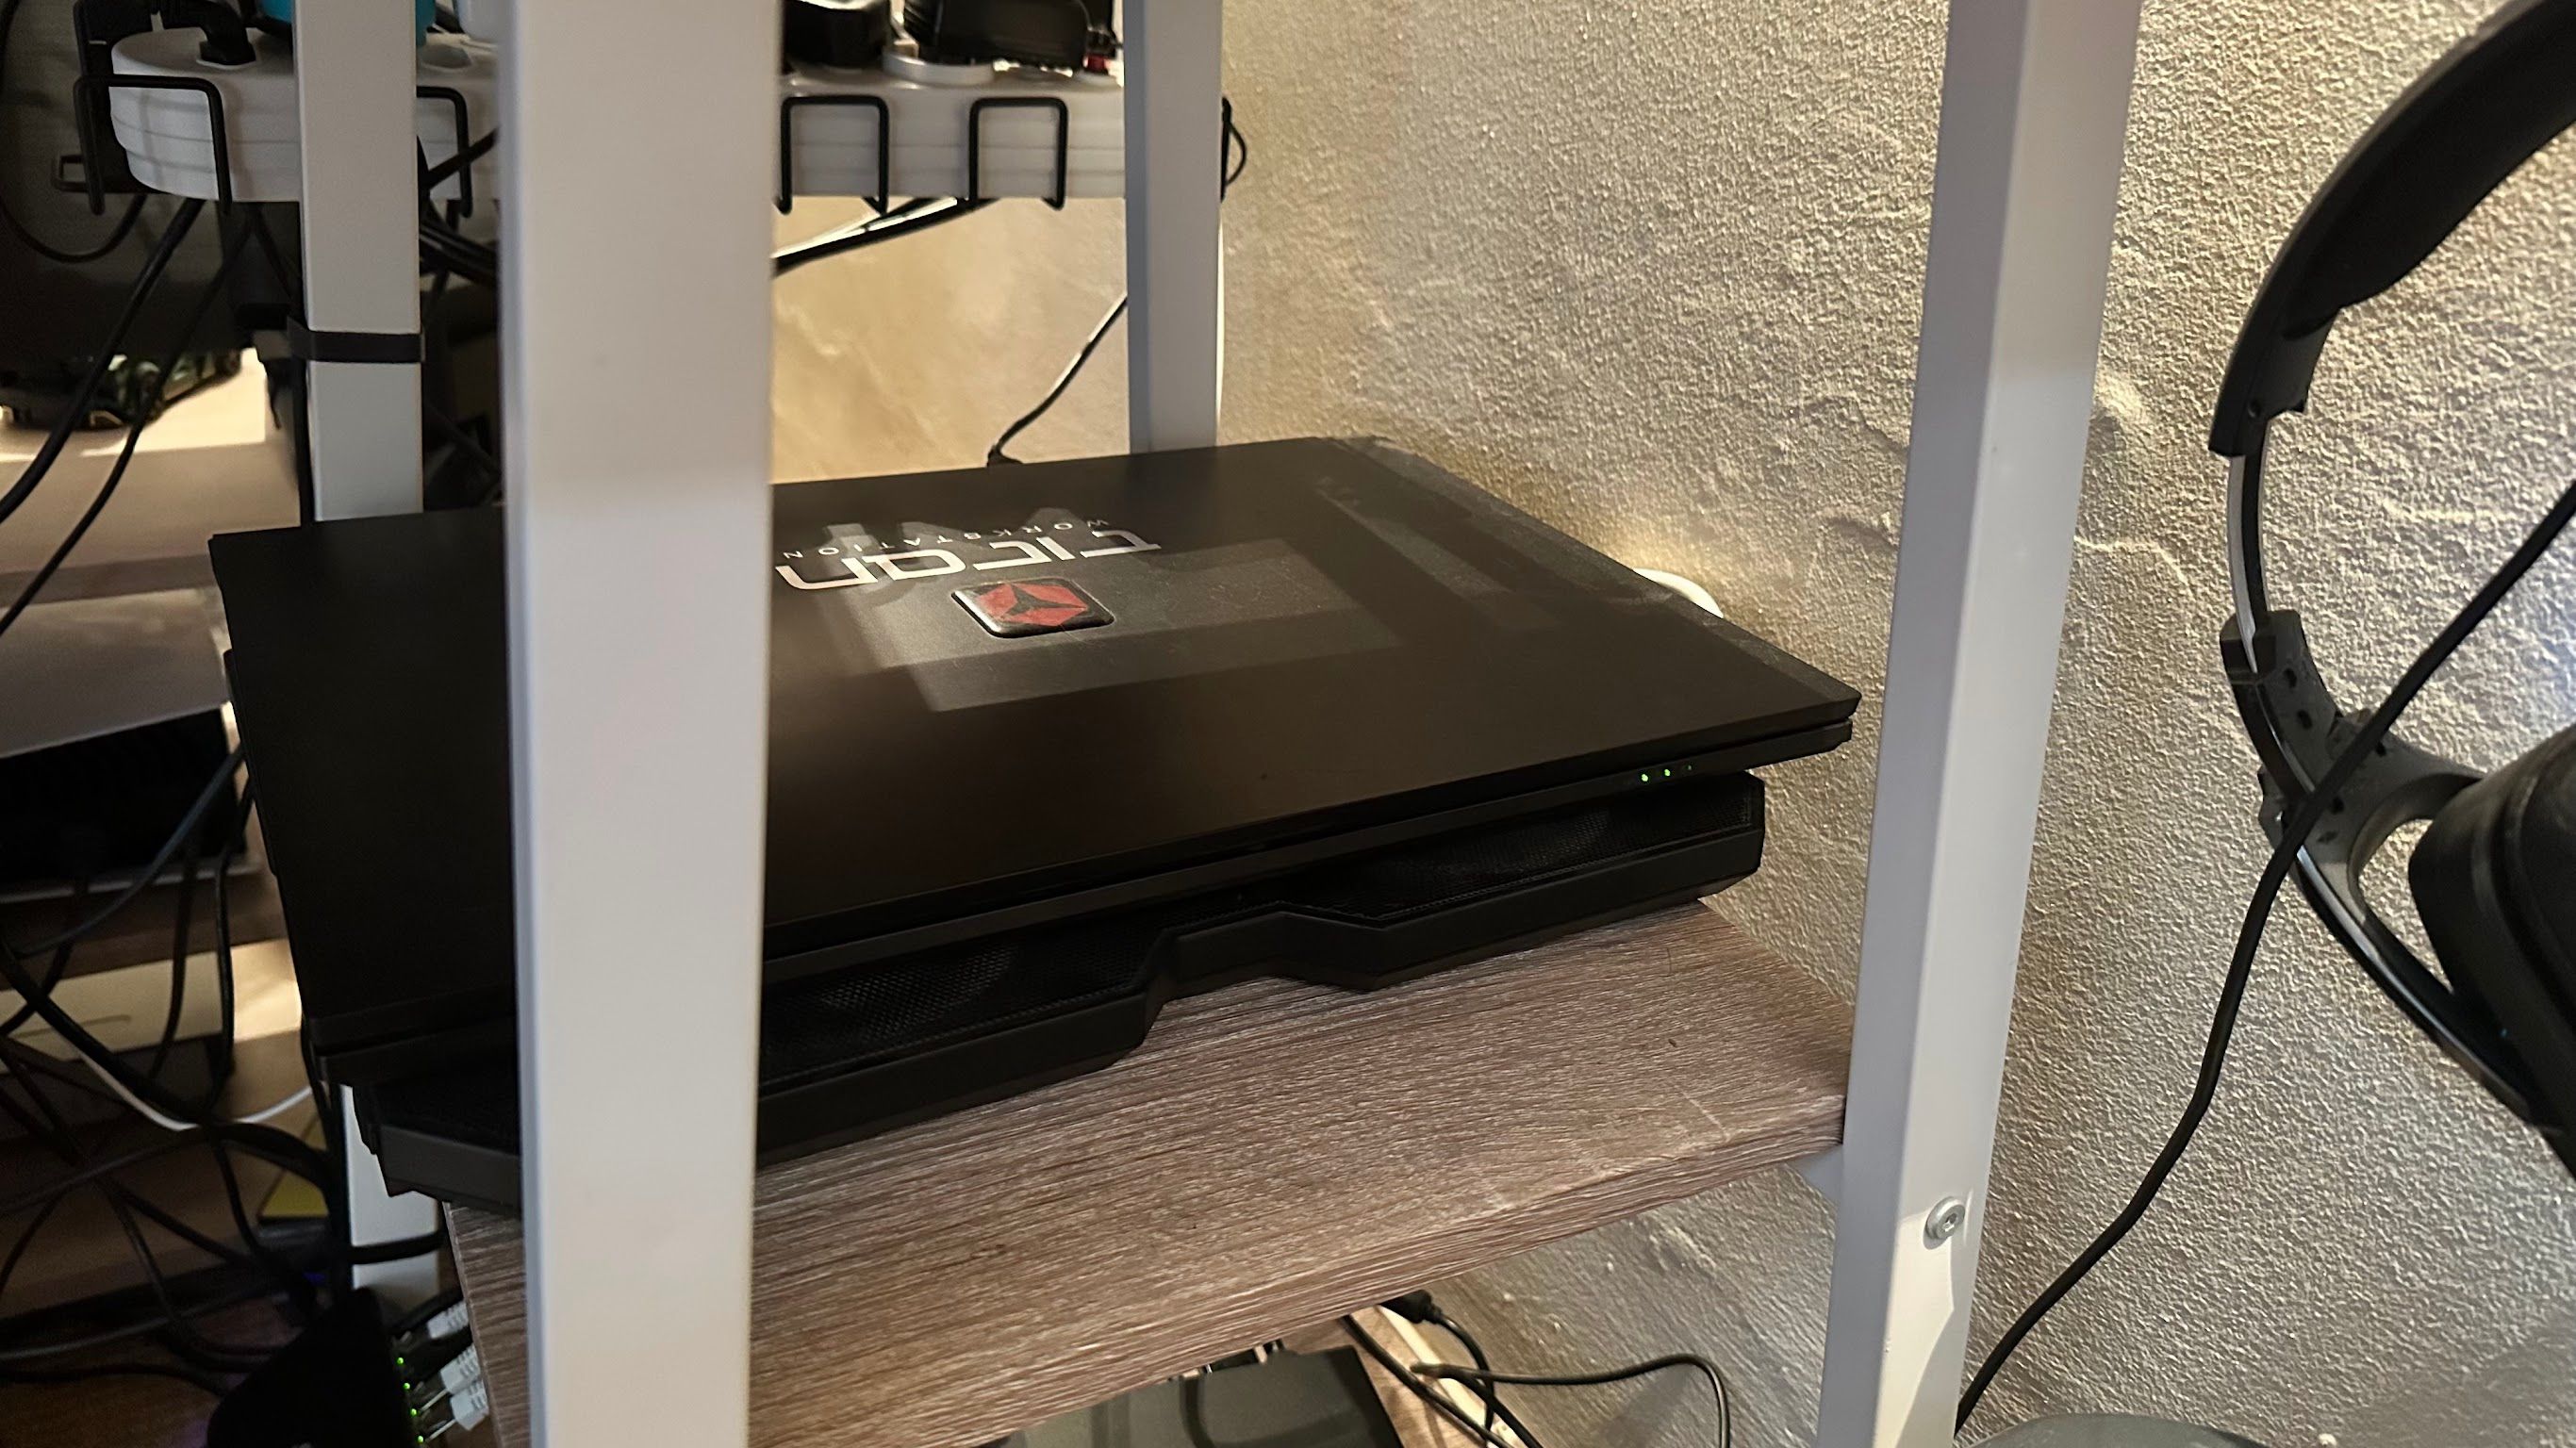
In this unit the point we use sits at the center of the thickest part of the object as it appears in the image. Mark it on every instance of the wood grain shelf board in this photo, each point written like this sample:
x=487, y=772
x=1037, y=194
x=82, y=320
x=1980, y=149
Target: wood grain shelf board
x=1273, y=1156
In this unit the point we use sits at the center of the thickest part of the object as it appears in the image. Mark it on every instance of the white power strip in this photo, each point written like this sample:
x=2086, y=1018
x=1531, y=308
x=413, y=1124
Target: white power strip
x=982, y=130
x=168, y=130
x=1011, y=117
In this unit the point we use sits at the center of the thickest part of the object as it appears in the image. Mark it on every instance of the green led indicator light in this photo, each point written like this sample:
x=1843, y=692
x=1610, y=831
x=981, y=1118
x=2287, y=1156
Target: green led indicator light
x=1643, y=778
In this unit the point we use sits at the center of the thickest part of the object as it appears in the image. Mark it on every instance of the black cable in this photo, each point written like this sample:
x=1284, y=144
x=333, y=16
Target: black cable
x=175, y=1337
x=26, y=1239
x=996, y=453
x=67, y=256
x=298, y=1288
x=437, y=361
x=172, y=1330
x=1476, y=1355
x=1716, y=1382
x=418, y=1318
x=80, y=527
x=29, y=1067
x=272, y=1146
x=326, y=1111
x=481, y=272
x=400, y=1249
x=1233, y=138
x=443, y=246
x=145, y=1089
x=179, y=1228
x=57, y=1134
x=266, y=1142
x=147, y=408
x=91, y=1372
x=61, y=962
x=2249, y=937
x=1494, y=1406
x=224, y=993
x=181, y=910
x=464, y=442
x=431, y=176
x=1431, y=1396
x=83, y=395
x=37, y=1352
x=266, y=241
x=908, y=219
x=39, y=998
x=53, y=1130
x=115, y=237
x=477, y=260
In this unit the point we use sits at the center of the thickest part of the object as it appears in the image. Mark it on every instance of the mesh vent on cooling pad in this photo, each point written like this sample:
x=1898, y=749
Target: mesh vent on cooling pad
x=849, y=1048
x=1445, y=873
x=831, y=1022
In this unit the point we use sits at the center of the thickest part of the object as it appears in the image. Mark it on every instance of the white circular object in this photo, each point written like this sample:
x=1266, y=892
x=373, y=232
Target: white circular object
x=904, y=62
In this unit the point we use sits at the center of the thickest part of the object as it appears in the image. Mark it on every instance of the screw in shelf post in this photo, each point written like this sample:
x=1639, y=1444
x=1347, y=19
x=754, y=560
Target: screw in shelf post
x=1948, y=1216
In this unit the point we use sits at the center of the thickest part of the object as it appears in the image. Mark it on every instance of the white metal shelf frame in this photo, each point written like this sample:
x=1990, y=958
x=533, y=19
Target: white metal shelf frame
x=635, y=396
x=639, y=1275
x=2034, y=112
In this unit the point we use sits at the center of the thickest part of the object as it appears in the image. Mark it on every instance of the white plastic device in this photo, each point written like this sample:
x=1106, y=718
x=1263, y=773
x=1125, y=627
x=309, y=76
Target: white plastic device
x=830, y=129
x=832, y=124
x=168, y=133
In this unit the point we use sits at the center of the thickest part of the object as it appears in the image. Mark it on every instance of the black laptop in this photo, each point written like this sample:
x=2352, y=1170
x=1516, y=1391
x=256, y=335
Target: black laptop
x=1049, y=744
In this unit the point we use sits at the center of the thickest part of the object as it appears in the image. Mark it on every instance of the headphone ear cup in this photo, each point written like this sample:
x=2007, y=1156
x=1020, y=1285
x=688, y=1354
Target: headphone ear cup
x=2494, y=880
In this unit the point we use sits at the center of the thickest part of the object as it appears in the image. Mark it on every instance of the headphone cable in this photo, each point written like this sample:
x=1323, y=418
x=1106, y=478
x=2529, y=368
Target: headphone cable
x=2249, y=937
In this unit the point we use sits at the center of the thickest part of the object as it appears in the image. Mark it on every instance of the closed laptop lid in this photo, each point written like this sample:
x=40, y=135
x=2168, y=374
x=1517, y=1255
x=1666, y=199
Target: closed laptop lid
x=1007, y=683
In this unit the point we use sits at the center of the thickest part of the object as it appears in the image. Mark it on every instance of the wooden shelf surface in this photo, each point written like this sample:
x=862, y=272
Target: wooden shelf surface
x=1273, y=1156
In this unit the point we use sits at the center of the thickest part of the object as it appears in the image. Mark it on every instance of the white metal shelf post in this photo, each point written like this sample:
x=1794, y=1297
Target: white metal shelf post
x=355, y=68
x=636, y=398
x=1175, y=75
x=2034, y=108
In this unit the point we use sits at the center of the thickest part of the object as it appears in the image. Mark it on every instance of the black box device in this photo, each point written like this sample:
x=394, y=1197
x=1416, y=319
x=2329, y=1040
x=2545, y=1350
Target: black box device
x=1049, y=744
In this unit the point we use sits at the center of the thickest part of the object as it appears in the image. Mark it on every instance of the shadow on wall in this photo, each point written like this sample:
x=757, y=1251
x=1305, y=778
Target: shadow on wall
x=2446, y=1401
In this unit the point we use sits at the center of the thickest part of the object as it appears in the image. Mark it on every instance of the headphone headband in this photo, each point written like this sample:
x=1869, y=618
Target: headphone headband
x=2463, y=127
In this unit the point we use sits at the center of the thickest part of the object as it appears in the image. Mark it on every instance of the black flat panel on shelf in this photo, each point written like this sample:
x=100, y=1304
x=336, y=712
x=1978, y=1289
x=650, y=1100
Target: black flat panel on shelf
x=1313, y=649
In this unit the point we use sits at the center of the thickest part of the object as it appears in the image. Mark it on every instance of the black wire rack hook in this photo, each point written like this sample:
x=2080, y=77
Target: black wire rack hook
x=787, y=109
x=975, y=141
x=90, y=85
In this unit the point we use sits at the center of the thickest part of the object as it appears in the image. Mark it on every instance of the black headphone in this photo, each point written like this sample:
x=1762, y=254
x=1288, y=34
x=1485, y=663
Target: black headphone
x=2494, y=876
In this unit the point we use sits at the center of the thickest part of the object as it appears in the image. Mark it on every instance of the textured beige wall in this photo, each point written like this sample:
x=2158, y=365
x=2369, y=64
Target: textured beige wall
x=1652, y=272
